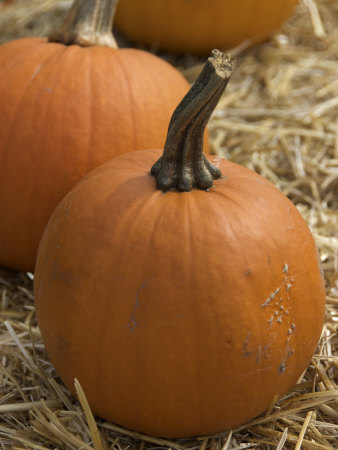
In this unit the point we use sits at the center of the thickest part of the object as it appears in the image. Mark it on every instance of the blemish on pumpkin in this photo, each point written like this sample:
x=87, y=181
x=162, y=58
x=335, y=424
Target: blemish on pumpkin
x=245, y=351
x=248, y=272
x=283, y=365
x=62, y=346
x=267, y=301
x=61, y=275
x=269, y=262
x=266, y=351
x=279, y=320
x=272, y=296
x=36, y=71
x=263, y=352
x=132, y=323
x=281, y=368
x=286, y=268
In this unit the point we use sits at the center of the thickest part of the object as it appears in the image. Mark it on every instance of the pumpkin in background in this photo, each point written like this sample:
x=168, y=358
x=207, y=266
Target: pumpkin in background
x=198, y=26
x=66, y=109
x=180, y=313
x=5, y=3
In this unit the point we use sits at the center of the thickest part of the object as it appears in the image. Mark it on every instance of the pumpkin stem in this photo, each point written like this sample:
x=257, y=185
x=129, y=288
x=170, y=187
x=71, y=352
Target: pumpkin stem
x=89, y=22
x=183, y=164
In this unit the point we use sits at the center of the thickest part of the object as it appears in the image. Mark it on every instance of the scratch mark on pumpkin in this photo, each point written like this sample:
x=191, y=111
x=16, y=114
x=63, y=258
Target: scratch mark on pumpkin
x=133, y=323
x=245, y=351
x=263, y=352
x=267, y=301
x=282, y=312
x=36, y=71
x=283, y=365
x=281, y=368
x=287, y=283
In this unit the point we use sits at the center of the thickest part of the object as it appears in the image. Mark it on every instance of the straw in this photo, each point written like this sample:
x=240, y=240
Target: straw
x=279, y=118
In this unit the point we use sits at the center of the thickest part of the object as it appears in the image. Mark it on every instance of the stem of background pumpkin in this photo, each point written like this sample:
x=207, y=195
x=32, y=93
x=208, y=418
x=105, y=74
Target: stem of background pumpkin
x=89, y=22
x=183, y=164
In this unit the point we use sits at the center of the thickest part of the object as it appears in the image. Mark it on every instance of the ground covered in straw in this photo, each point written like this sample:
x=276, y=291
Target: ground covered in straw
x=279, y=118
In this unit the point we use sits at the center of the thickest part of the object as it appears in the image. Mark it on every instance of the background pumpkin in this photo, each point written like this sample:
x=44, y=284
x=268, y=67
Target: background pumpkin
x=66, y=109
x=198, y=26
x=181, y=313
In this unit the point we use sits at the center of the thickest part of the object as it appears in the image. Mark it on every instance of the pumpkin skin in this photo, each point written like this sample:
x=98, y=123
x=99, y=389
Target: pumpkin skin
x=66, y=110
x=197, y=26
x=180, y=314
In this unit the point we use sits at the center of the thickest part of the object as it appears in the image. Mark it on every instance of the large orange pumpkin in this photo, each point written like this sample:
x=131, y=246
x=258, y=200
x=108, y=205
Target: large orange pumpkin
x=180, y=313
x=66, y=109
x=197, y=26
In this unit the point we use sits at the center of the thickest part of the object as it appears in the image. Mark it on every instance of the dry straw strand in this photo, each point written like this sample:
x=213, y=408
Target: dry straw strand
x=89, y=416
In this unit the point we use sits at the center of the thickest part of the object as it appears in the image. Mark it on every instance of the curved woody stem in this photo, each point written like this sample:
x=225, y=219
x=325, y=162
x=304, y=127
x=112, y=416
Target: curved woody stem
x=183, y=164
x=89, y=22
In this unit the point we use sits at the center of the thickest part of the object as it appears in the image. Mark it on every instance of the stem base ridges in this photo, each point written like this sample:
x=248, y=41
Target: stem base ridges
x=183, y=164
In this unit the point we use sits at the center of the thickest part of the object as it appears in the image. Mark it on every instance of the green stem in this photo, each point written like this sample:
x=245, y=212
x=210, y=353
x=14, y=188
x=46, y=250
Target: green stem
x=89, y=22
x=183, y=164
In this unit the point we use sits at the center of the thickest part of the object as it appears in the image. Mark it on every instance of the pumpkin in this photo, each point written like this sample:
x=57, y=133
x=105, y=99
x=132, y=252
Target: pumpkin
x=5, y=3
x=182, y=307
x=66, y=109
x=197, y=26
